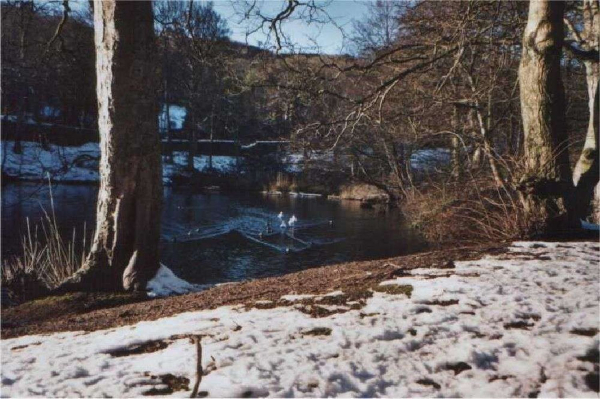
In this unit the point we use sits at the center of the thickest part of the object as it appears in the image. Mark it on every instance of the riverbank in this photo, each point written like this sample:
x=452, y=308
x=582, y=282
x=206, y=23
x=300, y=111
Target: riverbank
x=80, y=165
x=273, y=171
x=90, y=312
x=516, y=321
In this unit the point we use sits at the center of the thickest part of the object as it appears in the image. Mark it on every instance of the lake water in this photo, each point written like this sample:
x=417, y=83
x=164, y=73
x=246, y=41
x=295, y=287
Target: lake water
x=215, y=238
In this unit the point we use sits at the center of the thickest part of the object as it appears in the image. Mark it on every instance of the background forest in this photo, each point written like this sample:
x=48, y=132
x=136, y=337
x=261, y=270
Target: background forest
x=439, y=77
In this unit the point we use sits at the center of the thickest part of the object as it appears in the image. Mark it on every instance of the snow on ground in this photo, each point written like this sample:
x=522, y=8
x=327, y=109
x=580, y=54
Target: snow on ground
x=424, y=160
x=166, y=283
x=80, y=164
x=61, y=163
x=590, y=226
x=221, y=163
x=177, y=115
x=518, y=324
x=429, y=159
x=295, y=162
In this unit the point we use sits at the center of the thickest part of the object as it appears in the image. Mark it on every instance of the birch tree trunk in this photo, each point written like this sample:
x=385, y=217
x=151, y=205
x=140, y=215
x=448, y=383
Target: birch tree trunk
x=586, y=173
x=125, y=253
x=545, y=184
x=485, y=130
x=456, y=150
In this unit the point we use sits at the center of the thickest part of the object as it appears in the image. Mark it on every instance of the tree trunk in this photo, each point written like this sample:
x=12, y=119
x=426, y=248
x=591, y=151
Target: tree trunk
x=545, y=184
x=476, y=159
x=456, y=152
x=125, y=253
x=167, y=75
x=212, y=128
x=169, y=133
x=192, y=144
x=485, y=127
x=586, y=173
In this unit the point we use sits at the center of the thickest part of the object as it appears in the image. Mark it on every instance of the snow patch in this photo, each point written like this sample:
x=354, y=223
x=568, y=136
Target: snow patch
x=299, y=297
x=166, y=283
x=177, y=115
x=76, y=164
x=590, y=226
x=513, y=330
x=81, y=164
x=429, y=159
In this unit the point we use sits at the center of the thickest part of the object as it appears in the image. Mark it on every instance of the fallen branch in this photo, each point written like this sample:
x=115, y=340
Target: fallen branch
x=196, y=340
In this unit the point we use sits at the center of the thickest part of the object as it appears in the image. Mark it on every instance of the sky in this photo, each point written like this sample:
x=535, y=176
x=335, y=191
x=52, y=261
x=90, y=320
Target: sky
x=326, y=36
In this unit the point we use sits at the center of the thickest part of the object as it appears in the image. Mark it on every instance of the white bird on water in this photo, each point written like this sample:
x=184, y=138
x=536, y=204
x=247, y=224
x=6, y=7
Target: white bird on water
x=283, y=225
x=292, y=220
x=280, y=216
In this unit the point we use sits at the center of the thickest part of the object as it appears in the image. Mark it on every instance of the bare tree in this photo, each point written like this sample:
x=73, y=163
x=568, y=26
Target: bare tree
x=379, y=29
x=125, y=252
x=585, y=45
x=545, y=187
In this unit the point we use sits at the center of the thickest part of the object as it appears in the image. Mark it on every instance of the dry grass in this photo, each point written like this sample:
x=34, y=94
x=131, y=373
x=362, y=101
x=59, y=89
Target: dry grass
x=363, y=192
x=471, y=211
x=46, y=255
x=283, y=182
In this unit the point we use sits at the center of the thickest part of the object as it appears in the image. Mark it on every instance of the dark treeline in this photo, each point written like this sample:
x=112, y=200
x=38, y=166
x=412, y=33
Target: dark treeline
x=49, y=72
x=47, y=64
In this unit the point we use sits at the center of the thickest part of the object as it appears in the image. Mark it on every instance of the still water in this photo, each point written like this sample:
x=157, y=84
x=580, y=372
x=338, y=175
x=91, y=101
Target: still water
x=216, y=238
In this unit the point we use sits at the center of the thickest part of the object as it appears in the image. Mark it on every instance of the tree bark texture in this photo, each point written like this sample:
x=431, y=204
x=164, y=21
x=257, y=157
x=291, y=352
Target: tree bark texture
x=544, y=186
x=586, y=173
x=125, y=251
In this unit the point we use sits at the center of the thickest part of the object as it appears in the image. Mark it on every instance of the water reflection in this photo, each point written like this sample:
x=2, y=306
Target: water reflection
x=213, y=238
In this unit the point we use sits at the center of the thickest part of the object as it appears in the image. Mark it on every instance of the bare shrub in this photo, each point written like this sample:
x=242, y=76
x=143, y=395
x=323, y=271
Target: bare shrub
x=46, y=256
x=471, y=211
x=363, y=192
x=283, y=183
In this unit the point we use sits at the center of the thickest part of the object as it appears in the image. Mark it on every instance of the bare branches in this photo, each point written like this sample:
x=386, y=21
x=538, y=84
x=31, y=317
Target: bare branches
x=275, y=23
x=61, y=24
x=585, y=55
x=263, y=20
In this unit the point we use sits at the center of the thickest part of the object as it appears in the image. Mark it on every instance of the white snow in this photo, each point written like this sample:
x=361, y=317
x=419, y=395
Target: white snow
x=50, y=112
x=334, y=293
x=61, y=163
x=80, y=164
x=590, y=226
x=423, y=160
x=296, y=297
x=295, y=162
x=395, y=346
x=10, y=118
x=166, y=283
x=221, y=163
x=177, y=115
x=429, y=159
